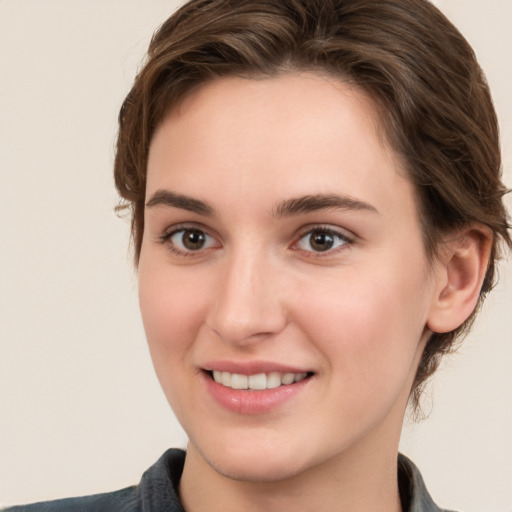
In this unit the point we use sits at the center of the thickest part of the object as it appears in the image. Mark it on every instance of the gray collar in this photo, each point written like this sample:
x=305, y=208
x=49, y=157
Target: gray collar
x=413, y=492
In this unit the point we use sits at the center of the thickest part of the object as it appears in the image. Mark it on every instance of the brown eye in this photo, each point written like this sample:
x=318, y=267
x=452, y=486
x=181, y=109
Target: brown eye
x=190, y=240
x=193, y=239
x=321, y=240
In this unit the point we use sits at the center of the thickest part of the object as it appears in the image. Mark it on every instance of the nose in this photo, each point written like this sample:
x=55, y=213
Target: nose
x=248, y=304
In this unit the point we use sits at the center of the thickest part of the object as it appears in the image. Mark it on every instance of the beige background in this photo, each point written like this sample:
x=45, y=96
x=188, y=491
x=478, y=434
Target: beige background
x=80, y=408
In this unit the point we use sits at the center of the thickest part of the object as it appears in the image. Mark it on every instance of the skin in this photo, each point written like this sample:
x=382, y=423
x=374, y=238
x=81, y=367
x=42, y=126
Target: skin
x=356, y=316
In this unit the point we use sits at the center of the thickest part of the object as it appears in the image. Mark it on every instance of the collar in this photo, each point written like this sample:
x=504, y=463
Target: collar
x=413, y=492
x=159, y=485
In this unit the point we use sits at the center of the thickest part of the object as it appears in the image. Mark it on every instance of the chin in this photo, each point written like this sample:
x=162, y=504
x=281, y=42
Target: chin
x=255, y=465
x=258, y=471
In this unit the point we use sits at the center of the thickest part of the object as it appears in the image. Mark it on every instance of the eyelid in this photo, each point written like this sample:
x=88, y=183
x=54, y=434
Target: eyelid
x=173, y=228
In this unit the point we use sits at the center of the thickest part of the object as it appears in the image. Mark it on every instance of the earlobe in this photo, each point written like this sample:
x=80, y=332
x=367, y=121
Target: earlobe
x=461, y=271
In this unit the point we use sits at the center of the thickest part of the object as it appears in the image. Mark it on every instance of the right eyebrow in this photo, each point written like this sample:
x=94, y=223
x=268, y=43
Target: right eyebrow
x=167, y=198
x=311, y=203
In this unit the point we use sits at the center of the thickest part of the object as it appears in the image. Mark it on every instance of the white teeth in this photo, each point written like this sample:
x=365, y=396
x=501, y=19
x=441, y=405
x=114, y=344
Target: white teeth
x=288, y=378
x=226, y=379
x=258, y=381
x=273, y=380
x=239, y=381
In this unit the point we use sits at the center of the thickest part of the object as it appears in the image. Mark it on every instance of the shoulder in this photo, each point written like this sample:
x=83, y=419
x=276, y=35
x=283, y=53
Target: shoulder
x=156, y=491
x=124, y=500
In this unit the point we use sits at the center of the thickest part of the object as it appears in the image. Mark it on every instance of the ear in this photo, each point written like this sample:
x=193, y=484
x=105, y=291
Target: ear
x=460, y=272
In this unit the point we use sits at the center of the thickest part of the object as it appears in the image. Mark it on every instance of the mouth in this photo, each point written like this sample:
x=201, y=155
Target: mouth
x=254, y=388
x=258, y=381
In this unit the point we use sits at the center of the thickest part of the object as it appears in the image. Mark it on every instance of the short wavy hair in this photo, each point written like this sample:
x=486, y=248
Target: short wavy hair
x=434, y=102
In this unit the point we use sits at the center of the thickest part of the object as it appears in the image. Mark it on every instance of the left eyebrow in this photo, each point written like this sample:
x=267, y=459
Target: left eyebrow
x=167, y=198
x=311, y=203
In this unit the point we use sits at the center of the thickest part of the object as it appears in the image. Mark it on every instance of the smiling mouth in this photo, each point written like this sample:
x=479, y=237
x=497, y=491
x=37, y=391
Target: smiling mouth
x=258, y=381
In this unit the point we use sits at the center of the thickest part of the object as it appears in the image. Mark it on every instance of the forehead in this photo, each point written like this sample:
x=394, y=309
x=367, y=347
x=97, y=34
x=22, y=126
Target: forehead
x=300, y=131
x=263, y=98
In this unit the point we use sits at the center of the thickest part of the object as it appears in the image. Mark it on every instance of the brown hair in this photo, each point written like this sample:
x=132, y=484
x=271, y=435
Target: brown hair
x=434, y=100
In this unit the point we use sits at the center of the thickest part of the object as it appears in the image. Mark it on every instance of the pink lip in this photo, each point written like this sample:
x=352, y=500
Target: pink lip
x=251, y=401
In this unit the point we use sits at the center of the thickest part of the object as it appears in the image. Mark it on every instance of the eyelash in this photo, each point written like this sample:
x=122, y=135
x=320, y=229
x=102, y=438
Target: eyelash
x=343, y=240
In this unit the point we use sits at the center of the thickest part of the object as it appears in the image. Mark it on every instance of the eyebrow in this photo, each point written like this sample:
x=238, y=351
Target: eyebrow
x=311, y=203
x=287, y=208
x=174, y=200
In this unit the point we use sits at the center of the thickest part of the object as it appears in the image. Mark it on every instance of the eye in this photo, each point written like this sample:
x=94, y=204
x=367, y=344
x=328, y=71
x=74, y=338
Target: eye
x=189, y=240
x=322, y=240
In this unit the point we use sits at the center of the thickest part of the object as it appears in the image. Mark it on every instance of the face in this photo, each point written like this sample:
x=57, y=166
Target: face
x=283, y=283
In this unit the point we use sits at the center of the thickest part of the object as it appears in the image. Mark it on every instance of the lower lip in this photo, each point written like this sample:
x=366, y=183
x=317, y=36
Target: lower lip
x=251, y=401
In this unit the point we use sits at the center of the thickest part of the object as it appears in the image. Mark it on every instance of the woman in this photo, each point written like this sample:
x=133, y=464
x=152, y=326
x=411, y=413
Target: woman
x=316, y=215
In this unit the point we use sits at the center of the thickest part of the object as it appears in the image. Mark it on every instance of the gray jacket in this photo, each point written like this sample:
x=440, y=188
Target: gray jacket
x=158, y=492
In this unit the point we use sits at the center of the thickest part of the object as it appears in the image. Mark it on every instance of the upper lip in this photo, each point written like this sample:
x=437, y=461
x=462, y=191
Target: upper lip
x=252, y=367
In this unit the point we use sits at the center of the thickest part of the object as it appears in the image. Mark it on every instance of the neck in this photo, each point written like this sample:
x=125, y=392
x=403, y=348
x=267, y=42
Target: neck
x=350, y=482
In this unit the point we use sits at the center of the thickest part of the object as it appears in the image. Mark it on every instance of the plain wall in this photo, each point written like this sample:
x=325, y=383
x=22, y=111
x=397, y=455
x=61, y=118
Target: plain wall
x=80, y=408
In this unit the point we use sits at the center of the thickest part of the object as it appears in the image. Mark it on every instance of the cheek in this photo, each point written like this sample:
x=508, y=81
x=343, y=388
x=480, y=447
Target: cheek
x=369, y=329
x=171, y=312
